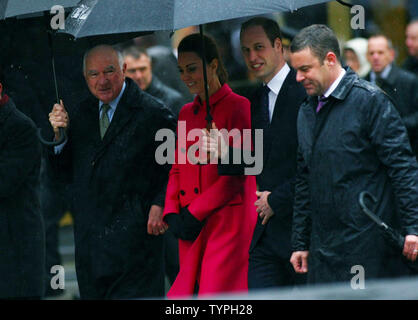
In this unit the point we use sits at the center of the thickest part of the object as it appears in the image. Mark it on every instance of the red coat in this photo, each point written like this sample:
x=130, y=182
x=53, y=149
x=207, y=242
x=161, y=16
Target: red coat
x=218, y=258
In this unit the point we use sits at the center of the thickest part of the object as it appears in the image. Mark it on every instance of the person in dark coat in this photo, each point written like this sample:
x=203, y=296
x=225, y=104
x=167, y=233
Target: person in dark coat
x=399, y=84
x=118, y=186
x=411, y=41
x=22, y=238
x=275, y=112
x=139, y=69
x=270, y=247
x=350, y=140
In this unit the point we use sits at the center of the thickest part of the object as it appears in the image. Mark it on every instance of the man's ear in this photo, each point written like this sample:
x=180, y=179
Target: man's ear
x=331, y=59
x=278, y=44
x=124, y=66
x=392, y=54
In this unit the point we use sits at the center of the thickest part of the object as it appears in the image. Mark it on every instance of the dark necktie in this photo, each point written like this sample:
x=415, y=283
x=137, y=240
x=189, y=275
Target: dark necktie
x=264, y=104
x=321, y=101
x=104, y=120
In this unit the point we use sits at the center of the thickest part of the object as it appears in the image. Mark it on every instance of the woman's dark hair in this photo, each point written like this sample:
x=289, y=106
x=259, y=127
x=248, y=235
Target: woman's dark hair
x=193, y=43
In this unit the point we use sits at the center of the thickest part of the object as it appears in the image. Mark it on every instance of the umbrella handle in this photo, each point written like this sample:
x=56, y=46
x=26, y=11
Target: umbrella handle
x=62, y=138
x=205, y=78
x=363, y=205
x=393, y=236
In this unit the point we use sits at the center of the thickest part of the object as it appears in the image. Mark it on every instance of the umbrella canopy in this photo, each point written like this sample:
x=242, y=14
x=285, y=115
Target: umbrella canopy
x=94, y=17
x=98, y=17
x=12, y=8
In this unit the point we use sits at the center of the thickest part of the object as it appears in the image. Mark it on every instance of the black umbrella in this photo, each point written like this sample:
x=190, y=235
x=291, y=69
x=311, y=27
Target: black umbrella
x=393, y=237
x=22, y=8
x=94, y=17
x=13, y=8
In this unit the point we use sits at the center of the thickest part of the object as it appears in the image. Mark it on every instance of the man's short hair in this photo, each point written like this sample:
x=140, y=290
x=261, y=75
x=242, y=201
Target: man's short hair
x=381, y=35
x=119, y=54
x=270, y=27
x=134, y=51
x=319, y=39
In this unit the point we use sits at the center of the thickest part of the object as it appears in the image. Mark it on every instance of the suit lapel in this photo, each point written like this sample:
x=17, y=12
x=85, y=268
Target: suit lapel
x=91, y=119
x=279, y=111
x=122, y=116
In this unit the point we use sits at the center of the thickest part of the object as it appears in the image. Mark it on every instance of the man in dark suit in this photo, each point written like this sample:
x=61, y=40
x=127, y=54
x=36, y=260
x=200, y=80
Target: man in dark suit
x=274, y=109
x=118, y=186
x=139, y=69
x=399, y=84
x=270, y=248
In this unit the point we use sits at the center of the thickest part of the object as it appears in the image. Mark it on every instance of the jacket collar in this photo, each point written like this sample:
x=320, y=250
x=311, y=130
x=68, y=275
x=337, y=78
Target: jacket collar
x=392, y=76
x=214, y=98
x=345, y=85
x=343, y=88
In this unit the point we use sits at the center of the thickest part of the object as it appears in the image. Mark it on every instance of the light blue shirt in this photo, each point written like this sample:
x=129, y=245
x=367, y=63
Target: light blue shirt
x=113, y=104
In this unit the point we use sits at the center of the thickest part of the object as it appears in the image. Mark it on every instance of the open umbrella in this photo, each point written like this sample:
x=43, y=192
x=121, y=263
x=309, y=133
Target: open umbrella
x=16, y=8
x=12, y=8
x=93, y=17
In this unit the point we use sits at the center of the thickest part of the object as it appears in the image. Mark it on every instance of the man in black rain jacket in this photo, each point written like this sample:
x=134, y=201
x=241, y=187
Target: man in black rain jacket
x=351, y=138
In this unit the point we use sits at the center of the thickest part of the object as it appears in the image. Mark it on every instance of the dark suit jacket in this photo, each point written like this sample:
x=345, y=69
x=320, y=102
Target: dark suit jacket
x=411, y=64
x=170, y=97
x=402, y=88
x=22, y=240
x=279, y=167
x=115, y=183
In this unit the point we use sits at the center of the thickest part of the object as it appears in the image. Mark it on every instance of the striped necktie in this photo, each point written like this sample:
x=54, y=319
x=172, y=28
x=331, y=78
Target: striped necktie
x=104, y=120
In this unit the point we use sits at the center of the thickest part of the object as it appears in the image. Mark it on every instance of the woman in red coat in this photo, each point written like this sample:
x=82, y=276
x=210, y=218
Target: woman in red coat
x=213, y=216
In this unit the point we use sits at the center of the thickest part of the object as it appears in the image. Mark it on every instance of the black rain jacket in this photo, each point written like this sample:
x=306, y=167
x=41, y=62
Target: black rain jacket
x=356, y=142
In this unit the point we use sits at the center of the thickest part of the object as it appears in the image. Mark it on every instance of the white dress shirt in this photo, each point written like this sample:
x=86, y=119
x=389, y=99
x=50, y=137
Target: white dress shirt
x=275, y=85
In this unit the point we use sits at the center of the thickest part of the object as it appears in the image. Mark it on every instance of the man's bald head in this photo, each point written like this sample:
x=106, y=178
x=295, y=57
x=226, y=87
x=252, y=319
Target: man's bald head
x=104, y=71
x=102, y=49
